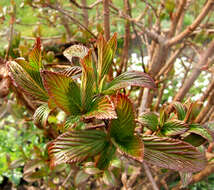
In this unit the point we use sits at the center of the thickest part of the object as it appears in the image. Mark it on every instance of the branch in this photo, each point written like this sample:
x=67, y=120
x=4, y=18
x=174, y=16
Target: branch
x=196, y=72
x=199, y=176
x=193, y=26
x=106, y=19
x=70, y=17
x=84, y=6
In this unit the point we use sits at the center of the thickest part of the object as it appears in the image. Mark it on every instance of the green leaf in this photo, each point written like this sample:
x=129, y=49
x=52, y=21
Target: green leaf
x=64, y=91
x=41, y=114
x=150, y=120
x=109, y=178
x=75, y=51
x=129, y=78
x=35, y=56
x=106, y=156
x=33, y=72
x=131, y=146
x=24, y=80
x=81, y=177
x=101, y=108
x=194, y=139
x=180, y=110
x=200, y=130
x=172, y=154
x=124, y=125
x=106, y=52
x=174, y=127
x=87, y=81
x=74, y=146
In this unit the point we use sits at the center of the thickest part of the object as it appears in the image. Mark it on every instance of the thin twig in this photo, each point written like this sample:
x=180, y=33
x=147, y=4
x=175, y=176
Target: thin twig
x=67, y=178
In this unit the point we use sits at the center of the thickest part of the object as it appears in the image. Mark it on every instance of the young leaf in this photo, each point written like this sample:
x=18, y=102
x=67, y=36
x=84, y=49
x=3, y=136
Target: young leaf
x=33, y=72
x=131, y=146
x=121, y=130
x=74, y=146
x=35, y=56
x=106, y=156
x=106, y=52
x=180, y=110
x=26, y=82
x=172, y=154
x=202, y=131
x=101, y=108
x=73, y=72
x=64, y=91
x=194, y=139
x=87, y=81
x=124, y=125
x=41, y=114
x=75, y=51
x=174, y=127
x=129, y=78
x=150, y=120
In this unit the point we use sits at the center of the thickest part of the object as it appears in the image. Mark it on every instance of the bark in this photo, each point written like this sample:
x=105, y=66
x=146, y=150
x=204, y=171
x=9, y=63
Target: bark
x=85, y=13
x=125, y=54
x=106, y=18
x=193, y=26
x=195, y=73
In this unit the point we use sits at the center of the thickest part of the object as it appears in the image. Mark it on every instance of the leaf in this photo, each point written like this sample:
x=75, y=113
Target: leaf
x=75, y=146
x=109, y=178
x=186, y=178
x=64, y=91
x=73, y=72
x=41, y=114
x=124, y=125
x=180, y=110
x=150, y=120
x=129, y=78
x=35, y=56
x=194, y=139
x=87, y=81
x=106, y=52
x=23, y=80
x=33, y=72
x=101, y=108
x=80, y=178
x=174, y=127
x=131, y=146
x=172, y=154
x=106, y=156
x=200, y=130
x=75, y=51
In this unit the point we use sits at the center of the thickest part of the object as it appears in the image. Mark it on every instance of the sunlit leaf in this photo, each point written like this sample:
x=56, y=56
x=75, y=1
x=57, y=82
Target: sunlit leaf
x=101, y=108
x=200, y=130
x=75, y=51
x=121, y=130
x=35, y=56
x=174, y=127
x=64, y=91
x=87, y=81
x=41, y=114
x=186, y=178
x=180, y=110
x=129, y=78
x=124, y=125
x=109, y=178
x=81, y=177
x=173, y=154
x=26, y=82
x=150, y=120
x=106, y=52
x=76, y=146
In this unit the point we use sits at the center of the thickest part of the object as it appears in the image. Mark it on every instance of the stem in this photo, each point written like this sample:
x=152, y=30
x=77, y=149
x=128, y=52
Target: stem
x=149, y=175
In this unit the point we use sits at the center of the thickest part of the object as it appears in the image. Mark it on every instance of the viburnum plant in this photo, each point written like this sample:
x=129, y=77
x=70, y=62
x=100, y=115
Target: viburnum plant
x=102, y=116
